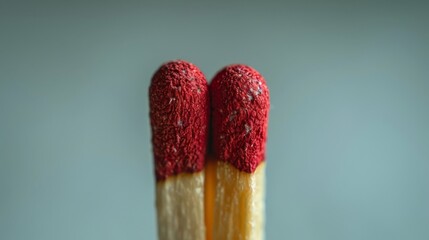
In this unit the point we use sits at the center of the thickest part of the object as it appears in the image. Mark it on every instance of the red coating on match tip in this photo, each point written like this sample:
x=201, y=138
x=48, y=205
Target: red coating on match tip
x=240, y=103
x=179, y=106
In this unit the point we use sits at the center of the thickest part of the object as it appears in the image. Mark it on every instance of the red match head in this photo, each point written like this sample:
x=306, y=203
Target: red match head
x=179, y=105
x=240, y=102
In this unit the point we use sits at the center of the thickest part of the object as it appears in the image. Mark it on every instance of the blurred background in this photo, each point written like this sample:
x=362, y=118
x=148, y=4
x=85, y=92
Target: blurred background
x=348, y=147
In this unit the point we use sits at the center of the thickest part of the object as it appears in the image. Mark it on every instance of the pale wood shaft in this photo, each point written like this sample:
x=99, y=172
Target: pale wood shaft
x=180, y=207
x=239, y=208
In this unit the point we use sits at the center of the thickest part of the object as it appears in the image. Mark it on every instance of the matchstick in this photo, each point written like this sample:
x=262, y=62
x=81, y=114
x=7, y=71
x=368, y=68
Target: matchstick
x=179, y=107
x=240, y=105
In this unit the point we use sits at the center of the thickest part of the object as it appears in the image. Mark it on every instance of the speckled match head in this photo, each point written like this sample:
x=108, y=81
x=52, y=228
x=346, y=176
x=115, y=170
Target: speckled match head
x=179, y=106
x=240, y=103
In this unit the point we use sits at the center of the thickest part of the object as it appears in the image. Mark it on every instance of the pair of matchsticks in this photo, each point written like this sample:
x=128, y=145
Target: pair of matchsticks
x=219, y=196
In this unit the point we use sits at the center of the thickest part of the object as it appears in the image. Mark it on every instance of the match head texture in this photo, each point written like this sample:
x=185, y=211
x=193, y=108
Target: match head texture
x=240, y=103
x=179, y=111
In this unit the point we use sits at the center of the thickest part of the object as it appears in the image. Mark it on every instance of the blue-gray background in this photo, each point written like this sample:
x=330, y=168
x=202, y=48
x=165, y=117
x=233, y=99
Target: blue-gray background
x=348, y=149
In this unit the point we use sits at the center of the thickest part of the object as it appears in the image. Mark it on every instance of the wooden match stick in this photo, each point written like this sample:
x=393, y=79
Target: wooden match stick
x=240, y=105
x=179, y=107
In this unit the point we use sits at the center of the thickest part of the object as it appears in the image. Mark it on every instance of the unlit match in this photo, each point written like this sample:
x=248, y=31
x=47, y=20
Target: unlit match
x=240, y=105
x=179, y=111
